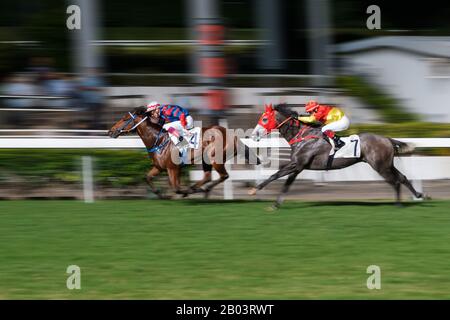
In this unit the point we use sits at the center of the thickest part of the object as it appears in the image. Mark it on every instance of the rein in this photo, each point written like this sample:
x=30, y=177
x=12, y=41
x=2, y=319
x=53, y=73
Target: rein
x=298, y=137
x=284, y=121
x=132, y=118
x=155, y=147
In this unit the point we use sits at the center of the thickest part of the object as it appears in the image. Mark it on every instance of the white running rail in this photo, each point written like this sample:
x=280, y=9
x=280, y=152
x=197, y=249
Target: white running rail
x=415, y=167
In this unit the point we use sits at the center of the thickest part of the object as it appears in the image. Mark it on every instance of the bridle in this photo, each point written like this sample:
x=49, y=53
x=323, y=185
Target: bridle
x=291, y=118
x=285, y=121
x=156, y=147
x=299, y=136
x=129, y=121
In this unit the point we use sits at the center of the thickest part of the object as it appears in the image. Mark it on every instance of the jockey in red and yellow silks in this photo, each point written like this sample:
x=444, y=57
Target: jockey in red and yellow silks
x=332, y=118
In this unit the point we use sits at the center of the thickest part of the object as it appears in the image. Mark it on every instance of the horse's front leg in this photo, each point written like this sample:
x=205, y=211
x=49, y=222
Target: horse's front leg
x=285, y=170
x=285, y=189
x=174, y=179
x=149, y=178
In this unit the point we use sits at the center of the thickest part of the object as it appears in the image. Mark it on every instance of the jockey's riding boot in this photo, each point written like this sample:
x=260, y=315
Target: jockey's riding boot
x=338, y=142
x=183, y=153
x=177, y=139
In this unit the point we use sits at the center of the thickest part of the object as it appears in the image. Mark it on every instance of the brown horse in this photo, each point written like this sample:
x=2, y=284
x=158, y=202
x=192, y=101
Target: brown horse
x=311, y=151
x=216, y=149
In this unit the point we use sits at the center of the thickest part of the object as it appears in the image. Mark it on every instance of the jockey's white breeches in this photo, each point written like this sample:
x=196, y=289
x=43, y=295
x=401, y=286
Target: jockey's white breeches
x=339, y=125
x=178, y=126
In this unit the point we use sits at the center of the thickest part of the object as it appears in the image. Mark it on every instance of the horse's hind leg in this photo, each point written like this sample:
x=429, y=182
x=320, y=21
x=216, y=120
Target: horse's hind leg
x=196, y=187
x=392, y=178
x=223, y=175
x=403, y=180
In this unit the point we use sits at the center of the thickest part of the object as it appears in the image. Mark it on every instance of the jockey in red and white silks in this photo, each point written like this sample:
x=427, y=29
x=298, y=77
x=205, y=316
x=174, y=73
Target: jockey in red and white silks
x=176, y=119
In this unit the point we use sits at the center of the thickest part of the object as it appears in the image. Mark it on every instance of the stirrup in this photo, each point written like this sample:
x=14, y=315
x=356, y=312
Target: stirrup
x=182, y=144
x=339, y=144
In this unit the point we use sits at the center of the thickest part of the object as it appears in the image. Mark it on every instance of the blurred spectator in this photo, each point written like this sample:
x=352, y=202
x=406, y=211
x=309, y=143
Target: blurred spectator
x=18, y=85
x=92, y=97
x=59, y=85
x=40, y=67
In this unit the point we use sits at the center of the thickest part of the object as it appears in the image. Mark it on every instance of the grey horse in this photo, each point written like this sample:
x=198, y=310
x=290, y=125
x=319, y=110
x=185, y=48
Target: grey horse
x=311, y=151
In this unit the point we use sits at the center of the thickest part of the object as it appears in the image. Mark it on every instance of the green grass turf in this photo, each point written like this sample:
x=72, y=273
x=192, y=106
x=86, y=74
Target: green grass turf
x=223, y=250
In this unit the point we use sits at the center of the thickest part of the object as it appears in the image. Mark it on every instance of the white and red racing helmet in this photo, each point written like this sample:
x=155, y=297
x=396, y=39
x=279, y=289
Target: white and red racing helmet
x=153, y=106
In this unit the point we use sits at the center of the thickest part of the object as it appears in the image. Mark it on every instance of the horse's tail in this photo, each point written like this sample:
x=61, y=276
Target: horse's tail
x=402, y=147
x=249, y=155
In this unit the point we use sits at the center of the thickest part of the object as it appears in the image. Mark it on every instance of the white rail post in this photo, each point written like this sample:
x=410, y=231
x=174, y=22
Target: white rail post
x=416, y=182
x=228, y=184
x=88, y=181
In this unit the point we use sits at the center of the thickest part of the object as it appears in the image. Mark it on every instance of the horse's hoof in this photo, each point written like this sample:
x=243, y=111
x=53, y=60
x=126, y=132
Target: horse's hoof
x=272, y=208
x=419, y=197
x=194, y=190
x=252, y=191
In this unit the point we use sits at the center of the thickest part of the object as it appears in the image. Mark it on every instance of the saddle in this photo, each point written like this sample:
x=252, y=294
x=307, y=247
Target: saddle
x=192, y=139
x=351, y=149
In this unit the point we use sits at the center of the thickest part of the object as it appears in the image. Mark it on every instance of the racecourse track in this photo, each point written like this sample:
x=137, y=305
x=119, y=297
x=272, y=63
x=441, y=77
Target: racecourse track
x=195, y=249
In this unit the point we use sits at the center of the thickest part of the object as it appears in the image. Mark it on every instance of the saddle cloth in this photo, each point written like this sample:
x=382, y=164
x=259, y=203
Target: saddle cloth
x=192, y=139
x=352, y=148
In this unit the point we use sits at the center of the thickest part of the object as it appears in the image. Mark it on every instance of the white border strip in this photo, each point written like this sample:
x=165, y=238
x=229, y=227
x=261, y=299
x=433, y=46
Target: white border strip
x=134, y=142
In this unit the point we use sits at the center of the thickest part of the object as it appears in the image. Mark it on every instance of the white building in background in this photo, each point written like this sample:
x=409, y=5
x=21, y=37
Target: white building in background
x=415, y=70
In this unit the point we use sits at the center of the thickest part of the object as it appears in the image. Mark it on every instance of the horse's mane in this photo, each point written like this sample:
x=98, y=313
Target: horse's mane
x=285, y=110
x=140, y=110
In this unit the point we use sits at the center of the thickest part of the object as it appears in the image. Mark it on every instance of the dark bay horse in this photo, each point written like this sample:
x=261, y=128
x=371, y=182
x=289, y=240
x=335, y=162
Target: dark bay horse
x=216, y=148
x=310, y=151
